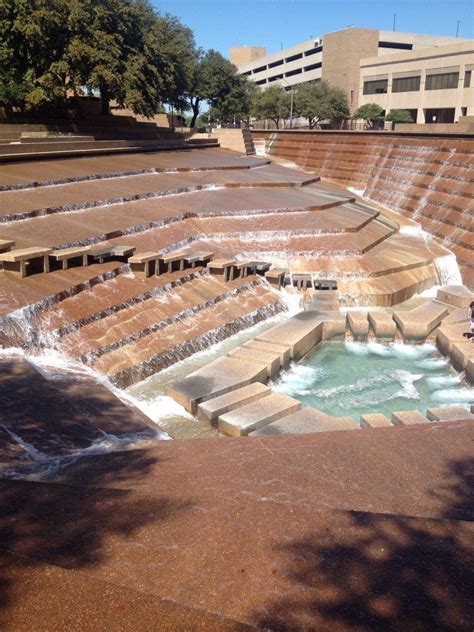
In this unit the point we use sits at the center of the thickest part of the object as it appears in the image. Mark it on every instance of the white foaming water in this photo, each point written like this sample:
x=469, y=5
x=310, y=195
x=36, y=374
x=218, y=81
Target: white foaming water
x=394, y=349
x=452, y=395
x=432, y=363
x=414, y=230
x=404, y=378
x=358, y=192
x=439, y=381
x=448, y=270
x=299, y=379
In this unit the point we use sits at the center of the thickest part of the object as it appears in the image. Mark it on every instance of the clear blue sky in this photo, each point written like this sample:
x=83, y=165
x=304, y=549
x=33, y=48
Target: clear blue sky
x=220, y=24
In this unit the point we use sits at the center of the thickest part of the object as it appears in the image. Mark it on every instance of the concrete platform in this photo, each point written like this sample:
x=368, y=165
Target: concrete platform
x=382, y=325
x=270, y=359
x=358, y=324
x=374, y=420
x=449, y=413
x=282, y=349
x=301, y=333
x=213, y=408
x=455, y=295
x=304, y=421
x=418, y=323
x=253, y=416
x=408, y=418
x=216, y=378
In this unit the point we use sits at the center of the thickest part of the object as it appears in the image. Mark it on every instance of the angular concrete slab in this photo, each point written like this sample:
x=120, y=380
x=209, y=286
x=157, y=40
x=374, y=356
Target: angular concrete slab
x=270, y=359
x=305, y=421
x=283, y=350
x=418, y=323
x=216, y=378
x=408, y=418
x=359, y=324
x=449, y=413
x=212, y=408
x=455, y=295
x=457, y=316
x=382, y=324
x=301, y=333
x=334, y=325
x=374, y=420
x=253, y=416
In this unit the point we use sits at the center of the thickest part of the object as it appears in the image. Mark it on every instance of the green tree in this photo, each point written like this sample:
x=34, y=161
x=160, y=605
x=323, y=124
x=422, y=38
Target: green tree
x=272, y=103
x=237, y=105
x=212, y=79
x=370, y=112
x=122, y=47
x=399, y=116
x=317, y=100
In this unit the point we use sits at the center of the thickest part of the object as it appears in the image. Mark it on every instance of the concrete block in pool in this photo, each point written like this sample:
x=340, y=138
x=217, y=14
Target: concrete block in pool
x=382, y=325
x=216, y=378
x=409, y=418
x=418, y=323
x=358, y=324
x=211, y=409
x=301, y=333
x=253, y=416
x=270, y=359
x=374, y=420
x=455, y=295
x=304, y=421
x=282, y=349
x=449, y=413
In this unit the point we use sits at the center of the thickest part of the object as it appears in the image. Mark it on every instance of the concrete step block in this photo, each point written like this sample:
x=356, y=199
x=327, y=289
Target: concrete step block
x=374, y=420
x=216, y=378
x=358, y=324
x=382, y=325
x=301, y=333
x=455, y=295
x=409, y=418
x=449, y=413
x=270, y=359
x=282, y=350
x=304, y=421
x=211, y=409
x=253, y=416
x=418, y=323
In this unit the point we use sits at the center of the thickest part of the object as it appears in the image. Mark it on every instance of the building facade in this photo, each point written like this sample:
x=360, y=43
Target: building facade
x=336, y=57
x=435, y=85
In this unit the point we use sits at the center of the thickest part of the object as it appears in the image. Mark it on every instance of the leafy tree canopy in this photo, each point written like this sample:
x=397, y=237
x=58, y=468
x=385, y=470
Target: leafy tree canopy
x=122, y=47
x=237, y=105
x=399, y=116
x=317, y=100
x=213, y=78
x=272, y=103
x=370, y=112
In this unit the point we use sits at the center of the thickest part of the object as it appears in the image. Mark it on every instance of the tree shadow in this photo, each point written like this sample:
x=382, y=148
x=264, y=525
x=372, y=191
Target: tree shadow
x=380, y=572
x=71, y=519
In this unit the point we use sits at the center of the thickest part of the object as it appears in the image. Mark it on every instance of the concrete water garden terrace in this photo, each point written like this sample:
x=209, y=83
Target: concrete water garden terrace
x=151, y=295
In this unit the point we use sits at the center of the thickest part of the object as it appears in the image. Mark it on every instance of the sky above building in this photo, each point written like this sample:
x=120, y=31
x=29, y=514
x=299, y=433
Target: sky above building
x=277, y=24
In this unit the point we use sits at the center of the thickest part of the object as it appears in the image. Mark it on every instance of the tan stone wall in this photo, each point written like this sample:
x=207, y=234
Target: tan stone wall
x=342, y=53
x=245, y=54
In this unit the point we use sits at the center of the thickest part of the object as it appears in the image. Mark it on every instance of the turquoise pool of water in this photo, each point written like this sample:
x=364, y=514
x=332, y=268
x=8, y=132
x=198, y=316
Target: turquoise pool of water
x=351, y=378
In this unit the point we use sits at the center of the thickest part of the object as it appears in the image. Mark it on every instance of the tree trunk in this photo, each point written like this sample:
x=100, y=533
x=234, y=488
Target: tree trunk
x=195, y=108
x=105, y=100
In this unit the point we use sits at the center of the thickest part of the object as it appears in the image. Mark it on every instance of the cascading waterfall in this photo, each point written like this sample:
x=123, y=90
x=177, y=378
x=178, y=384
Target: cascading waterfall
x=448, y=270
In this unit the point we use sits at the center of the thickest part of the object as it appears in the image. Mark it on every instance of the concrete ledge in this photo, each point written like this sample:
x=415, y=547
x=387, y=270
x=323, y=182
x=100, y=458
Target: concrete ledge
x=449, y=413
x=334, y=326
x=382, y=324
x=455, y=295
x=408, y=418
x=374, y=420
x=216, y=378
x=301, y=333
x=305, y=421
x=418, y=323
x=257, y=414
x=358, y=324
x=283, y=350
x=213, y=408
x=269, y=359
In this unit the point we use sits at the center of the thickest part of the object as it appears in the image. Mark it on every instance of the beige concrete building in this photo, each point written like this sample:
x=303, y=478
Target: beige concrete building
x=335, y=57
x=435, y=85
x=242, y=55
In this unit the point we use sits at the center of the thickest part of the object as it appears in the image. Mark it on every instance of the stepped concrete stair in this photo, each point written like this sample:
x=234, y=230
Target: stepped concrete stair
x=241, y=421
x=193, y=332
x=374, y=420
x=213, y=380
x=418, y=323
x=305, y=421
x=269, y=359
x=301, y=333
x=457, y=296
x=211, y=409
x=358, y=324
x=449, y=413
x=239, y=140
x=408, y=418
x=283, y=350
x=323, y=301
x=382, y=324
x=145, y=316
